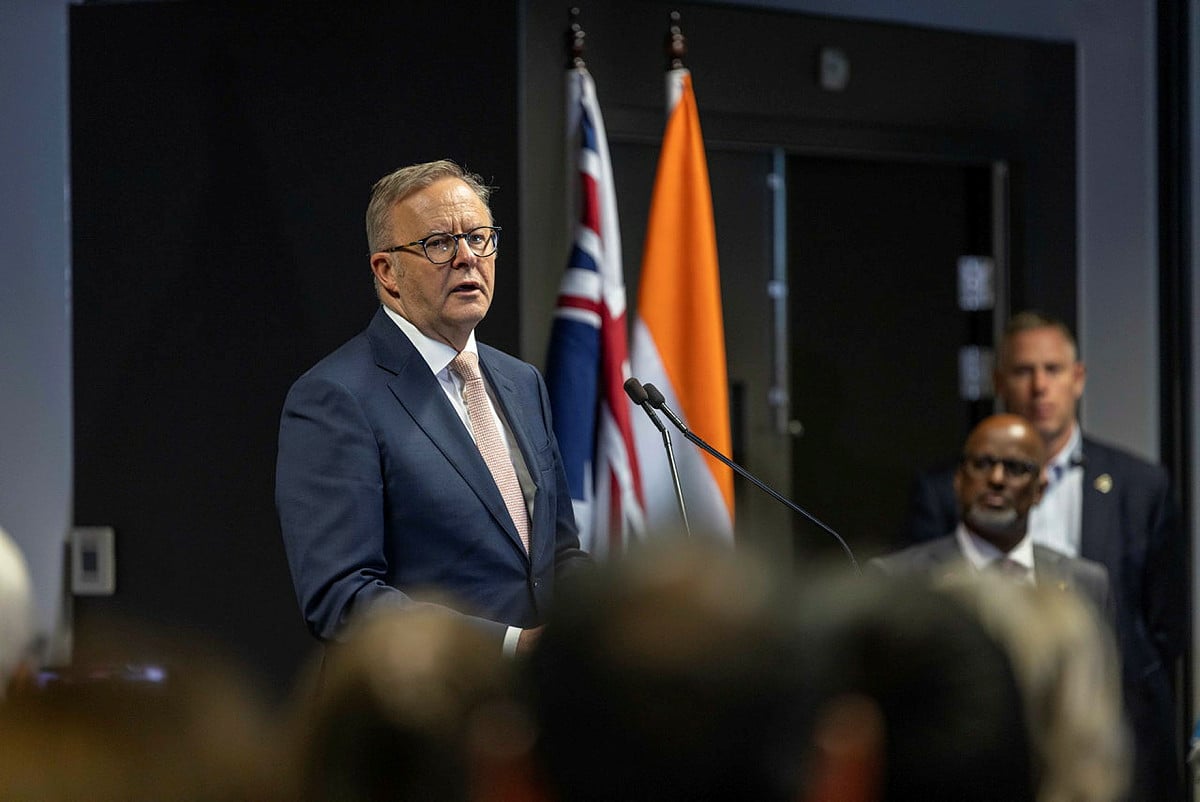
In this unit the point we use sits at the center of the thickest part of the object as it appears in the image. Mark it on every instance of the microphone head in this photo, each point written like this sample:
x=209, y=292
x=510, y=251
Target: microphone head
x=654, y=396
x=635, y=391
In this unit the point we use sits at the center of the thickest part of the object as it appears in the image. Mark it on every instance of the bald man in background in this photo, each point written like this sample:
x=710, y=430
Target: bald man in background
x=998, y=482
x=1106, y=505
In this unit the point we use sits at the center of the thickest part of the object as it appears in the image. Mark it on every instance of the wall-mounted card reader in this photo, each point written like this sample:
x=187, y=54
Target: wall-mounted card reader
x=93, y=561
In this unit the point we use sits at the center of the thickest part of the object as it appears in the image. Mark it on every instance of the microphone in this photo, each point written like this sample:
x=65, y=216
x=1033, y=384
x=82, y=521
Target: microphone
x=655, y=399
x=637, y=394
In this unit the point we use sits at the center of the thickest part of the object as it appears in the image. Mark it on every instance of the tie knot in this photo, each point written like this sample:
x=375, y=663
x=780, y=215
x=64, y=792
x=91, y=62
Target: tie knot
x=1008, y=567
x=466, y=364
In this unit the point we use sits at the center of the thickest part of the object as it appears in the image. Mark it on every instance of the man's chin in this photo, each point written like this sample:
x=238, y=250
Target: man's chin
x=1050, y=430
x=991, y=520
x=468, y=316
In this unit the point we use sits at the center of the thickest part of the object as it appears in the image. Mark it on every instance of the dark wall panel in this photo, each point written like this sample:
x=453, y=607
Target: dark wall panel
x=222, y=159
x=913, y=93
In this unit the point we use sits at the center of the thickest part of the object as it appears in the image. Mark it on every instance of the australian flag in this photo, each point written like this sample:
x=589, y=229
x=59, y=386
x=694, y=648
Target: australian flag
x=588, y=361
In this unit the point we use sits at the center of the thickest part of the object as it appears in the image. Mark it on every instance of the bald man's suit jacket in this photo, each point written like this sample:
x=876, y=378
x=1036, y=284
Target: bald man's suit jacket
x=384, y=498
x=1129, y=524
x=1050, y=569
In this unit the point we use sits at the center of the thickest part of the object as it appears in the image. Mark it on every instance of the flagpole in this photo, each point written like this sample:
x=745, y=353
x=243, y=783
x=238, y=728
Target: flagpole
x=574, y=37
x=675, y=47
x=588, y=356
x=678, y=340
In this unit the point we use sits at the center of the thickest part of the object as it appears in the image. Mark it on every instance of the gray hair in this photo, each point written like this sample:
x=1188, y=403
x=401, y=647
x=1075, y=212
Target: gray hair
x=1032, y=319
x=398, y=185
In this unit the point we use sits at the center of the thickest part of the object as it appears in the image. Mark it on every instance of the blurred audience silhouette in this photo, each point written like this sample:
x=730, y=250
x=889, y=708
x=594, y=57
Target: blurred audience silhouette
x=414, y=704
x=1066, y=662
x=187, y=727
x=694, y=673
x=683, y=671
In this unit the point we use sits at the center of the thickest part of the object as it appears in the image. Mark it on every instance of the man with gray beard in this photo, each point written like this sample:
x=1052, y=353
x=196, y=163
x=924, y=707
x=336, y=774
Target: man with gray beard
x=999, y=479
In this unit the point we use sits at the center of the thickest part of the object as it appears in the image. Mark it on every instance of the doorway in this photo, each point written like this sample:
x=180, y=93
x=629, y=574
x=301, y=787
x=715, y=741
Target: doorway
x=876, y=331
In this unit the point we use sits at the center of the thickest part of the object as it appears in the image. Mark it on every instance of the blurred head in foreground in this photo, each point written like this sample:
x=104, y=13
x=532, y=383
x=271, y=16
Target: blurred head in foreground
x=1067, y=666
x=415, y=704
x=695, y=673
x=16, y=612
x=186, y=727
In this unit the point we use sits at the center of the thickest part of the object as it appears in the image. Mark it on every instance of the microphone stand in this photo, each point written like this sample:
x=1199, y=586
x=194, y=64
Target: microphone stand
x=656, y=399
x=637, y=394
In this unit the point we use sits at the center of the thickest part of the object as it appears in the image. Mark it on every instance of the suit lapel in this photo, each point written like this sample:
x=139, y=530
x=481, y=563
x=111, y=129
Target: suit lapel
x=1100, y=535
x=1048, y=569
x=944, y=558
x=421, y=395
x=510, y=408
x=945, y=550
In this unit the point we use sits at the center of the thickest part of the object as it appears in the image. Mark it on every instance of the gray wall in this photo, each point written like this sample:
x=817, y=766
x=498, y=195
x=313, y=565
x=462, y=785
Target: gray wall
x=1117, y=244
x=35, y=330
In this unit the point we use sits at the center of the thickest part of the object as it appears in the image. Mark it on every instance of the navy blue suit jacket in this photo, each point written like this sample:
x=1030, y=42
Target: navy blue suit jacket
x=1130, y=524
x=383, y=497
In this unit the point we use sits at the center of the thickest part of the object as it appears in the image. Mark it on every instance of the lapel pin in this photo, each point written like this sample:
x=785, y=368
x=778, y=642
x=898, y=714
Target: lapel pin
x=1103, y=483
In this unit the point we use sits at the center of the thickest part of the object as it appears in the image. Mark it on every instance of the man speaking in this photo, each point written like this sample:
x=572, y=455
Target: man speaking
x=415, y=463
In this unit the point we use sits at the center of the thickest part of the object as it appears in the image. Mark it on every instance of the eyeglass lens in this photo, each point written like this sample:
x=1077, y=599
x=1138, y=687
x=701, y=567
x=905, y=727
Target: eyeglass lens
x=440, y=248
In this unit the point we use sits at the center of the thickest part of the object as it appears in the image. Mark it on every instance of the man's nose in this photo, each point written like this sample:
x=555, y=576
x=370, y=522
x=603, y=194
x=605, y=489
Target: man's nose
x=464, y=257
x=996, y=474
x=1039, y=380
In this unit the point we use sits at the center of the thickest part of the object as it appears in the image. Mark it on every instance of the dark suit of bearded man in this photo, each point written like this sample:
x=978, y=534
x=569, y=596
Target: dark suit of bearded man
x=944, y=557
x=1128, y=524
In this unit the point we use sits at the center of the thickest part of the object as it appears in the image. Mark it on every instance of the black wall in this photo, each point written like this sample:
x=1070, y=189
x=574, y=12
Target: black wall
x=222, y=159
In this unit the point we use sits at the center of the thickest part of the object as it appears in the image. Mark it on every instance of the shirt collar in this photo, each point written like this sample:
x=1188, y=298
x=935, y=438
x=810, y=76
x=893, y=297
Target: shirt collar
x=438, y=355
x=1068, y=455
x=980, y=553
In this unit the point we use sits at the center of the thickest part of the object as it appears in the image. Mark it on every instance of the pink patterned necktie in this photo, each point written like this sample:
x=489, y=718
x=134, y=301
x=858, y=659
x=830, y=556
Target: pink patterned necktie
x=490, y=442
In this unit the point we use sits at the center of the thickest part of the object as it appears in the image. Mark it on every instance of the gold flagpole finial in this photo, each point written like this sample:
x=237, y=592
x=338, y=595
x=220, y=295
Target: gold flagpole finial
x=574, y=40
x=676, y=44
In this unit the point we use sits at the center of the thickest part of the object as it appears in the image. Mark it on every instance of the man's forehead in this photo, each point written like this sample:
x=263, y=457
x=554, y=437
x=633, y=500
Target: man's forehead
x=1004, y=437
x=443, y=202
x=1040, y=345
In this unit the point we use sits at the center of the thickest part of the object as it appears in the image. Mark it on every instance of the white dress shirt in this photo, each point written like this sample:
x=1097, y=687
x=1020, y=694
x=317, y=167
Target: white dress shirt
x=1055, y=521
x=981, y=554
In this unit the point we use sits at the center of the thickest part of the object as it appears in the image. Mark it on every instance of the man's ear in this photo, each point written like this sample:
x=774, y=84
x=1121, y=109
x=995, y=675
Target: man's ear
x=1078, y=379
x=386, y=272
x=848, y=753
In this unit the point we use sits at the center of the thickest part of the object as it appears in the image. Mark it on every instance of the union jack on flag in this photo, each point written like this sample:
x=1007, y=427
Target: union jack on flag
x=588, y=361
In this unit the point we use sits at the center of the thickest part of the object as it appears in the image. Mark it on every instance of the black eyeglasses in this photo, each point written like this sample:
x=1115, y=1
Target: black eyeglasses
x=442, y=248
x=1015, y=470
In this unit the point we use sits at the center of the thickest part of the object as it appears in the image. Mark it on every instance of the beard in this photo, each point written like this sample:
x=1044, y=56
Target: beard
x=987, y=519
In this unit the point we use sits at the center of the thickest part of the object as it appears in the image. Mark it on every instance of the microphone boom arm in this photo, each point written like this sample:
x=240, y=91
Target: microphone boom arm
x=656, y=399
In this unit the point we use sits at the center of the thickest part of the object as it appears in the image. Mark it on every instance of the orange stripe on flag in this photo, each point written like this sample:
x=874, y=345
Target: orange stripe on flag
x=679, y=298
